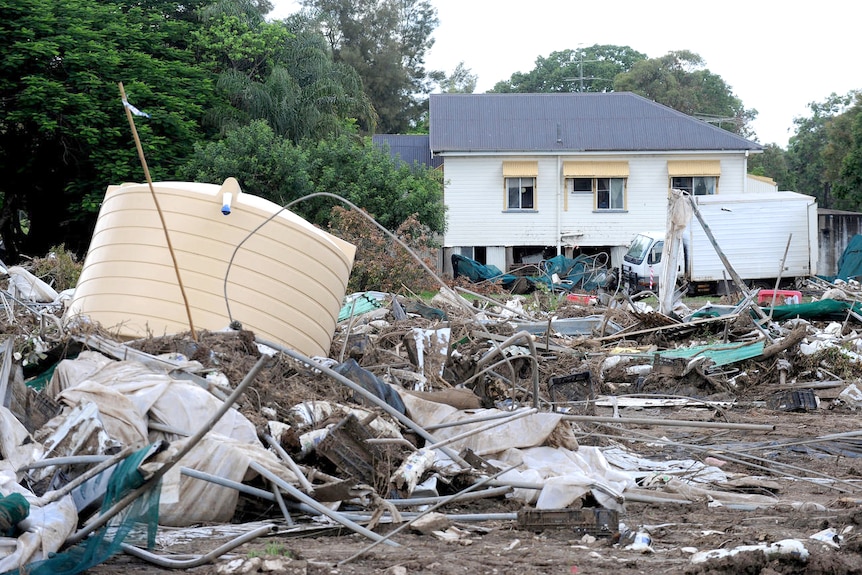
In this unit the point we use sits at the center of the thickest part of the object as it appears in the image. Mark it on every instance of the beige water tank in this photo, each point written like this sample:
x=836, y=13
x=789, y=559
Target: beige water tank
x=286, y=282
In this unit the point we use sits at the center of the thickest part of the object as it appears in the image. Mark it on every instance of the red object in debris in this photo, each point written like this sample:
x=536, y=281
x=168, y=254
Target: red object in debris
x=782, y=297
x=583, y=299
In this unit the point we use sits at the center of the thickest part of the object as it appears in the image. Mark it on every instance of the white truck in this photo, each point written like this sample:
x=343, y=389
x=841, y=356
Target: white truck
x=752, y=230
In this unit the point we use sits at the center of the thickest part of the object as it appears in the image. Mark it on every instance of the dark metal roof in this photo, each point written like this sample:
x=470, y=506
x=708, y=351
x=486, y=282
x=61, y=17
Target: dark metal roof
x=617, y=121
x=410, y=149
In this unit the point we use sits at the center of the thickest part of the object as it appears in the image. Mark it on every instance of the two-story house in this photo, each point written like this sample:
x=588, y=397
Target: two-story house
x=530, y=176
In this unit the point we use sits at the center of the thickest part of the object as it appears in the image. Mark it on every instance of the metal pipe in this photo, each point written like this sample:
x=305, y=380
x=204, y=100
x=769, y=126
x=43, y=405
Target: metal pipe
x=69, y=460
x=107, y=463
x=409, y=522
x=241, y=487
x=468, y=421
x=280, y=500
x=152, y=479
x=296, y=493
x=493, y=492
x=668, y=422
x=366, y=394
x=285, y=456
x=169, y=563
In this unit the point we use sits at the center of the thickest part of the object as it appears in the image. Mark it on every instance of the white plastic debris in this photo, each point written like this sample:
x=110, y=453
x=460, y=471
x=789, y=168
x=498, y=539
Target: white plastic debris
x=786, y=547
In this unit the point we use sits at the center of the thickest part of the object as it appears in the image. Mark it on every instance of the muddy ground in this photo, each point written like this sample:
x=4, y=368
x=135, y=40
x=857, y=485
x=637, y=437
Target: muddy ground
x=501, y=547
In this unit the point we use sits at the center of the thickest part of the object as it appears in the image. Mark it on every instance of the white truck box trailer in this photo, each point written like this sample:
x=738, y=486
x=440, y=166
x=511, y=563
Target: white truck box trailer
x=752, y=230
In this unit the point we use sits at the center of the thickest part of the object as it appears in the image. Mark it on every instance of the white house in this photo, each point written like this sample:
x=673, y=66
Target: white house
x=530, y=176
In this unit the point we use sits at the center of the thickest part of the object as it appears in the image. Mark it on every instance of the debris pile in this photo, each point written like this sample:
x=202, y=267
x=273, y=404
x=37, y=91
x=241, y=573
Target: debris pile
x=545, y=411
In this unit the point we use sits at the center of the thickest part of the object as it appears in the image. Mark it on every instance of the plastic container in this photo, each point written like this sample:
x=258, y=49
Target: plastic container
x=782, y=297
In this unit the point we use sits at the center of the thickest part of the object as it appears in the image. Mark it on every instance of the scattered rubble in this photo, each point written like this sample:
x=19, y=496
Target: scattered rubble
x=497, y=422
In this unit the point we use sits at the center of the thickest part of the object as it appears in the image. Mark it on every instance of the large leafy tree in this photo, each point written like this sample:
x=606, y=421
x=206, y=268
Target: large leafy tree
x=591, y=69
x=680, y=81
x=814, y=169
x=272, y=167
x=282, y=73
x=772, y=163
x=63, y=131
x=385, y=41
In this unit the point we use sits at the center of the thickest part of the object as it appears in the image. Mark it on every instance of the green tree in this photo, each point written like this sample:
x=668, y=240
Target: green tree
x=388, y=189
x=462, y=80
x=385, y=41
x=283, y=73
x=806, y=150
x=680, y=81
x=591, y=69
x=772, y=163
x=843, y=155
x=272, y=167
x=264, y=163
x=63, y=132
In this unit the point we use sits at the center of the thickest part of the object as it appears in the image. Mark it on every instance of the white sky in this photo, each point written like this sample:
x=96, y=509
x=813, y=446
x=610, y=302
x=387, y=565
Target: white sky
x=776, y=55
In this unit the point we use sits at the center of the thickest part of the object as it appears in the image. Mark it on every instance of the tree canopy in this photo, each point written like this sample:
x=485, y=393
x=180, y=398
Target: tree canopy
x=385, y=41
x=680, y=81
x=591, y=69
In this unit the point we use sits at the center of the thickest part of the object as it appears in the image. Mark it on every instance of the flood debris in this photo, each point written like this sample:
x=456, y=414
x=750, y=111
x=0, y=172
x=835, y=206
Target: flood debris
x=527, y=411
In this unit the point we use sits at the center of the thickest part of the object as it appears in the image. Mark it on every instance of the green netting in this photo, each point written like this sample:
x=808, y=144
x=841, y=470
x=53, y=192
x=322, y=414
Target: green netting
x=362, y=304
x=850, y=262
x=826, y=309
x=140, y=515
x=719, y=353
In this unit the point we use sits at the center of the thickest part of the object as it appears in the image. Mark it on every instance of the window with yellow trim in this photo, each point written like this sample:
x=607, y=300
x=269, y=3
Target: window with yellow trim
x=521, y=193
x=695, y=185
x=609, y=193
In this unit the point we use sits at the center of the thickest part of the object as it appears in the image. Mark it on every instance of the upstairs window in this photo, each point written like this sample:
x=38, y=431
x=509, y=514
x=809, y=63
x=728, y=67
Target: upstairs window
x=697, y=177
x=606, y=181
x=521, y=193
x=520, y=182
x=695, y=185
x=610, y=193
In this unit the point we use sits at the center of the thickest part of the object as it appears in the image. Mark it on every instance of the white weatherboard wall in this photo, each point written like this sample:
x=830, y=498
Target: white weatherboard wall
x=475, y=200
x=286, y=282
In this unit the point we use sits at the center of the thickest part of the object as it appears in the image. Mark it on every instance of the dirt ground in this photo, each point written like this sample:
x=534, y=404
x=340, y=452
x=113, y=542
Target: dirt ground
x=676, y=530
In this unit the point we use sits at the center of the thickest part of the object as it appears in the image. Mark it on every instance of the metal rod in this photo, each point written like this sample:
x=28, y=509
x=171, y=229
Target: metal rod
x=668, y=422
x=285, y=456
x=446, y=501
x=493, y=492
x=469, y=421
x=280, y=500
x=107, y=463
x=296, y=493
x=196, y=561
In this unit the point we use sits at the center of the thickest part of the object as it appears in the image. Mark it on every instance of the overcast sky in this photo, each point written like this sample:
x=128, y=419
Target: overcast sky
x=776, y=55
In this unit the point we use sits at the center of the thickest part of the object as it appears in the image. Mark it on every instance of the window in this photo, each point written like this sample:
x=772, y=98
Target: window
x=521, y=193
x=605, y=180
x=610, y=193
x=582, y=185
x=696, y=185
x=697, y=177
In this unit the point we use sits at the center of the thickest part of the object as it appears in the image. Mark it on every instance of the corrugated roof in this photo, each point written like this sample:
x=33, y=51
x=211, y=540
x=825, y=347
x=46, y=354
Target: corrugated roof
x=600, y=122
